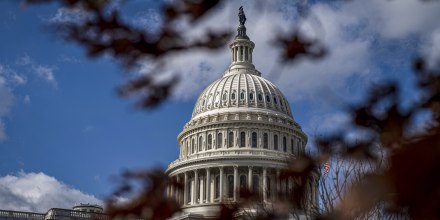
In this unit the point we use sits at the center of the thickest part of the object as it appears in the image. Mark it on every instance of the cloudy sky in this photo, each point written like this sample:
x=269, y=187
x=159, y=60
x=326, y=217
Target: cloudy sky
x=65, y=135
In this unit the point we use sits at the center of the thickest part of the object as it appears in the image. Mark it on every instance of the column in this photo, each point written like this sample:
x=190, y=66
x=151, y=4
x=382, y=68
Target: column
x=194, y=195
x=264, y=184
x=235, y=183
x=250, y=178
x=208, y=184
x=185, y=189
x=221, y=184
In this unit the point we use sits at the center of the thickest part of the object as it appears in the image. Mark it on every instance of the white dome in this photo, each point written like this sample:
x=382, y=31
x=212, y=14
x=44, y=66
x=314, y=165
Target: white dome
x=241, y=90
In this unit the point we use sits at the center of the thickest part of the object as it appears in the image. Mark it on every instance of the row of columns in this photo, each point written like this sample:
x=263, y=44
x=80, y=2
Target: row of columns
x=241, y=54
x=198, y=190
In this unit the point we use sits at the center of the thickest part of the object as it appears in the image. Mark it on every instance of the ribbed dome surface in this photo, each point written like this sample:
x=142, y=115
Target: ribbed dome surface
x=241, y=89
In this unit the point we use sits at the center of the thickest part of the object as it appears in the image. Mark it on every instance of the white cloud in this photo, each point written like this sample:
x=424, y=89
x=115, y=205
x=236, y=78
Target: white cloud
x=8, y=80
x=43, y=71
x=46, y=73
x=68, y=15
x=27, y=99
x=38, y=192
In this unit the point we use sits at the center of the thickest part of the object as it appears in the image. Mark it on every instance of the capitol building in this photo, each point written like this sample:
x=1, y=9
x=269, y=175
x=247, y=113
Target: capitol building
x=240, y=136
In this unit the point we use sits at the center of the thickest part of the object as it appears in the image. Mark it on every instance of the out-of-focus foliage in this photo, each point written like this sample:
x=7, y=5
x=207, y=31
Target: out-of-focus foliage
x=409, y=183
x=146, y=190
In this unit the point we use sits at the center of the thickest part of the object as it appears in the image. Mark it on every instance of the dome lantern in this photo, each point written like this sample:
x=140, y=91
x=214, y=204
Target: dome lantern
x=241, y=47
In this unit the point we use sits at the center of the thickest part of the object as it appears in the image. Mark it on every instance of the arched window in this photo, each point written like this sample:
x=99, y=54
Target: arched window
x=200, y=143
x=260, y=97
x=193, y=145
x=225, y=96
x=242, y=139
x=284, y=144
x=219, y=140
x=217, y=186
x=291, y=145
x=242, y=95
x=233, y=96
x=242, y=182
x=275, y=142
x=209, y=141
x=267, y=98
x=254, y=139
x=231, y=139
x=230, y=186
x=275, y=100
x=256, y=183
x=251, y=96
x=265, y=141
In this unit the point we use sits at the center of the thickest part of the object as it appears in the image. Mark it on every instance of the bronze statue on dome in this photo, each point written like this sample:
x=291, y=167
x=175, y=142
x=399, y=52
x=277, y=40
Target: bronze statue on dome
x=241, y=15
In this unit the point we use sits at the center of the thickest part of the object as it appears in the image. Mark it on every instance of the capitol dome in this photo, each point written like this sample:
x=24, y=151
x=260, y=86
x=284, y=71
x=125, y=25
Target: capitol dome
x=242, y=90
x=240, y=136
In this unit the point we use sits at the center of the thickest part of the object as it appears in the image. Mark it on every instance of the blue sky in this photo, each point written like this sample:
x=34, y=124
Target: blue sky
x=62, y=123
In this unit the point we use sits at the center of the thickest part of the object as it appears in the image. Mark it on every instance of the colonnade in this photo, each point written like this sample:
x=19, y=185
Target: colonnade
x=242, y=54
x=224, y=183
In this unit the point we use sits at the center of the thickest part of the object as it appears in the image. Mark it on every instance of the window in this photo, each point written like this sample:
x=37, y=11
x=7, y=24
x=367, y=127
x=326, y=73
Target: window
x=254, y=139
x=189, y=192
x=193, y=145
x=275, y=142
x=267, y=98
x=200, y=184
x=219, y=140
x=242, y=139
x=233, y=96
x=217, y=186
x=275, y=100
x=291, y=145
x=200, y=143
x=231, y=139
x=242, y=95
x=260, y=97
x=251, y=96
x=242, y=182
x=268, y=186
x=265, y=141
x=225, y=96
x=230, y=186
x=209, y=142
x=284, y=144
x=256, y=183
x=281, y=102
x=188, y=151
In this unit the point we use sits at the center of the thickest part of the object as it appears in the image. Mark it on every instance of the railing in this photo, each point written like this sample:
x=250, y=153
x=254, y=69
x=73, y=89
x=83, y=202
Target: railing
x=14, y=215
x=234, y=152
x=72, y=214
